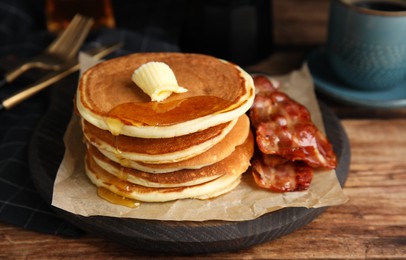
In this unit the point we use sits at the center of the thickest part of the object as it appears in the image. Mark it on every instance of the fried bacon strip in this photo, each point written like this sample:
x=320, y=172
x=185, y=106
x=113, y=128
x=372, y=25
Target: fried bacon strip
x=282, y=177
x=290, y=144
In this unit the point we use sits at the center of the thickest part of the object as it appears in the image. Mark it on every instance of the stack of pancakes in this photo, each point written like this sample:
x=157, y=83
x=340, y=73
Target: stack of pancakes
x=192, y=145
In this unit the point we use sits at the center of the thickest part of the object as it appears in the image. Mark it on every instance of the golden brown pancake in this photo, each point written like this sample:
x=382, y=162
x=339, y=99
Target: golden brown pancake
x=218, y=152
x=218, y=92
x=191, y=145
x=186, y=177
x=172, y=186
x=156, y=150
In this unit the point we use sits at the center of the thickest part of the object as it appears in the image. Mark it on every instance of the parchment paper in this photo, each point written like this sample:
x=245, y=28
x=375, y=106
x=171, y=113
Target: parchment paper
x=73, y=191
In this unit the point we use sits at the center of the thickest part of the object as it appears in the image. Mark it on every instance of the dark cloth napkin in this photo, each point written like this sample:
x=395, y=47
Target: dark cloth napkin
x=20, y=203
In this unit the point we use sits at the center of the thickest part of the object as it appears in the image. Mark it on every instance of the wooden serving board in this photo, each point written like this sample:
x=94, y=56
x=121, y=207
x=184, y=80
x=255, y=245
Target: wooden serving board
x=46, y=152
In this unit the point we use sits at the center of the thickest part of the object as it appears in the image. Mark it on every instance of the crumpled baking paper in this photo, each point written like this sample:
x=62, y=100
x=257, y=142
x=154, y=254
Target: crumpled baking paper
x=73, y=191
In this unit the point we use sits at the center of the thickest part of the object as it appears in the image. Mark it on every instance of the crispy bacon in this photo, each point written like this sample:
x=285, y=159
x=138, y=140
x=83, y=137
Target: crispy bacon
x=283, y=177
x=298, y=142
x=290, y=144
x=263, y=84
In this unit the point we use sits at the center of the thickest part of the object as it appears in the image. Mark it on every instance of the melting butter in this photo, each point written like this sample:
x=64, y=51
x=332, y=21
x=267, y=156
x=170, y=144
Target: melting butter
x=114, y=125
x=157, y=80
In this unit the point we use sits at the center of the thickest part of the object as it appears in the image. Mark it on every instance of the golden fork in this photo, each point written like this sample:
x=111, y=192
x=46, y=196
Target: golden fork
x=53, y=77
x=63, y=49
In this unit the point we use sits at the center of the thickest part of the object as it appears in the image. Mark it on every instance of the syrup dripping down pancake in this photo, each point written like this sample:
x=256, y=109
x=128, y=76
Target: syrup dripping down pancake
x=237, y=161
x=218, y=152
x=156, y=151
x=218, y=92
x=229, y=179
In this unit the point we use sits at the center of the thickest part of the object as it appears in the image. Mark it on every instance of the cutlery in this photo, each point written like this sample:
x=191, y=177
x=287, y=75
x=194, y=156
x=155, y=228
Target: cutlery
x=55, y=56
x=51, y=78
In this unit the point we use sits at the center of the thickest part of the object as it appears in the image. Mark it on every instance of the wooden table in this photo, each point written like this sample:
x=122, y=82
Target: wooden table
x=371, y=225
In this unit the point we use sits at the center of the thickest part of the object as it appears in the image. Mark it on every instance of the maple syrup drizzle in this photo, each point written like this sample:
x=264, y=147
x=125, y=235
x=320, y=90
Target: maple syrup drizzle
x=117, y=151
x=164, y=113
x=124, y=162
x=116, y=199
x=122, y=174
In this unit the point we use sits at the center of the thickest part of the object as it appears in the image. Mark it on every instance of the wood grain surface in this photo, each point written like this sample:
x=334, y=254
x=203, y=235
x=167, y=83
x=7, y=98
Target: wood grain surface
x=371, y=225
x=298, y=22
x=187, y=237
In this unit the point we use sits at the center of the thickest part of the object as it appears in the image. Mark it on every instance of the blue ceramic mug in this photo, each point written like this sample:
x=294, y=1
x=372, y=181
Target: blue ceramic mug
x=366, y=42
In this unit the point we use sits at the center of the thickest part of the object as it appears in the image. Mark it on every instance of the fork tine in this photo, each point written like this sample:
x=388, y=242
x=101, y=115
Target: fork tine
x=66, y=34
x=70, y=47
x=72, y=37
x=62, y=49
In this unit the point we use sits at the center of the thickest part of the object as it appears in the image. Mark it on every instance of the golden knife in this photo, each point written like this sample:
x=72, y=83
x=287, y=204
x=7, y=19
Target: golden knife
x=53, y=77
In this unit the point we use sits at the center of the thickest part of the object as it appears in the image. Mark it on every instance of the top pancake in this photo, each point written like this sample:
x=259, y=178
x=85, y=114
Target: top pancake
x=218, y=92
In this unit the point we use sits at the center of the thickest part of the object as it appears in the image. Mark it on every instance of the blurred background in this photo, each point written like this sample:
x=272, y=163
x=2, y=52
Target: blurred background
x=242, y=31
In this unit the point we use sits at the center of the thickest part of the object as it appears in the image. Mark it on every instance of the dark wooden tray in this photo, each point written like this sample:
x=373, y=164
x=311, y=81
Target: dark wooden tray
x=46, y=152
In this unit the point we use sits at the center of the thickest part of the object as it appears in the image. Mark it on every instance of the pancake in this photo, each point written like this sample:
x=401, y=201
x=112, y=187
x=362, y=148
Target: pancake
x=163, y=150
x=207, y=190
x=228, y=177
x=195, y=144
x=218, y=92
x=239, y=159
x=218, y=152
